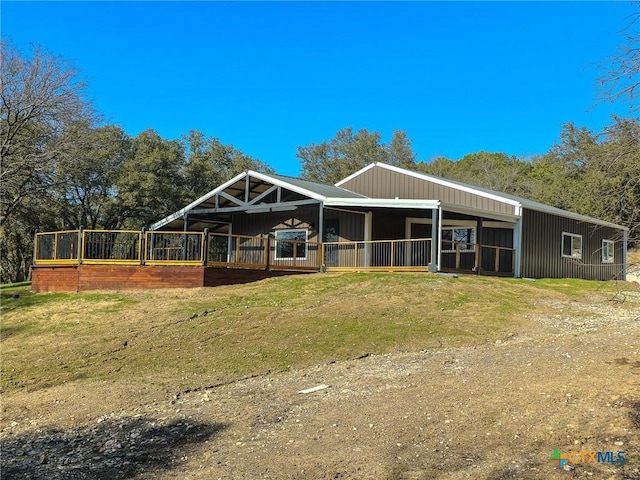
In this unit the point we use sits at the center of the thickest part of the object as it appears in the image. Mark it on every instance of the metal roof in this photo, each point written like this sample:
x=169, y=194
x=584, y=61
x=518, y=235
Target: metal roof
x=324, y=190
x=493, y=194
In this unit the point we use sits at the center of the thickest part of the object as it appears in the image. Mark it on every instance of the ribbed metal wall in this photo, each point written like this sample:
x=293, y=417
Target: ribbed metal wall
x=380, y=182
x=542, y=248
x=350, y=225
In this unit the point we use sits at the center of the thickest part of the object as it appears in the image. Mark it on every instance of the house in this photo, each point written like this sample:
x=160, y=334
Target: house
x=387, y=218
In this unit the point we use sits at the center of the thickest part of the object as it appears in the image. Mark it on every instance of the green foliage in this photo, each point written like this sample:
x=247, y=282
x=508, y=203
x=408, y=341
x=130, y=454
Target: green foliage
x=496, y=171
x=348, y=152
x=209, y=163
x=150, y=185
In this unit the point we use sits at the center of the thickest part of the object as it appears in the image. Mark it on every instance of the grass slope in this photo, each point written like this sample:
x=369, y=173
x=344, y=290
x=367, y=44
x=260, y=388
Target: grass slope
x=186, y=338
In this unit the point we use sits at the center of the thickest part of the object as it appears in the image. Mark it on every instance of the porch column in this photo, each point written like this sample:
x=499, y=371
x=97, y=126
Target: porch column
x=517, y=245
x=320, y=235
x=368, y=217
x=478, y=245
x=435, y=227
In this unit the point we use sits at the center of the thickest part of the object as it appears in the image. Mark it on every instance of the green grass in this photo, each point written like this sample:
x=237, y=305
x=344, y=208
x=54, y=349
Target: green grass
x=12, y=286
x=164, y=337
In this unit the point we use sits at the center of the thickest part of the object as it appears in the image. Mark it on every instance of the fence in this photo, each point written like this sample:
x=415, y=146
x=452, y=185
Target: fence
x=465, y=256
x=127, y=247
x=57, y=248
x=379, y=254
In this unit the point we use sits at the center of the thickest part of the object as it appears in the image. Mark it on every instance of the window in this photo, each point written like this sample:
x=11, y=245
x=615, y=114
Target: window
x=607, y=251
x=465, y=237
x=288, y=241
x=571, y=245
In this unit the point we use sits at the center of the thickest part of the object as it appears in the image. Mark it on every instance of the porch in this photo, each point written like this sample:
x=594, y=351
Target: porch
x=152, y=259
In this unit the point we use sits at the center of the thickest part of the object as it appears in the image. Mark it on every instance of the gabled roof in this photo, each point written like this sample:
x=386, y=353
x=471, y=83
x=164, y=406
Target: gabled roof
x=518, y=202
x=320, y=189
x=250, y=190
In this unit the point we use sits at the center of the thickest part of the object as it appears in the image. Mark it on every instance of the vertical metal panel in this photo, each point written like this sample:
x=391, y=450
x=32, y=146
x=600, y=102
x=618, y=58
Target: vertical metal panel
x=264, y=223
x=383, y=183
x=542, y=248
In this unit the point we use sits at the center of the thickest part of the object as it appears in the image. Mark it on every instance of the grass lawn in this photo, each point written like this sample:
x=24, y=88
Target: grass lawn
x=194, y=337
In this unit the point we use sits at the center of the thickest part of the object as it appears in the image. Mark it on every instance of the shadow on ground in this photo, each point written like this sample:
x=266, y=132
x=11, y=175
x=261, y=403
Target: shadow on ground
x=109, y=449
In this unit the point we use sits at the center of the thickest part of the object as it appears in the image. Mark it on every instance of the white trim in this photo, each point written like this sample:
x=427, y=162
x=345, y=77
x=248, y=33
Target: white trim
x=439, y=237
x=462, y=223
x=519, y=204
x=613, y=254
x=274, y=181
x=382, y=202
x=205, y=197
x=441, y=181
x=503, y=217
x=355, y=174
x=572, y=235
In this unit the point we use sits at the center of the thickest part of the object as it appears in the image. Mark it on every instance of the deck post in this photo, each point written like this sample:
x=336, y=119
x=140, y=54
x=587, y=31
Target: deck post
x=80, y=234
x=143, y=246
x=35, y=247
x=267, y=253
x=625, y=265
x=205, y=247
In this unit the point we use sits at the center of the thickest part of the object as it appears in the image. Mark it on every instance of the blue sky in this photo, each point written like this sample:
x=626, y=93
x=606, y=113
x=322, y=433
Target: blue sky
x=267, y=77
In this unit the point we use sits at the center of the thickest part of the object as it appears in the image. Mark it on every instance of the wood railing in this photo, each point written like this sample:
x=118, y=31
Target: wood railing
x=377, y=254
x=129, y=247
x=466, y=256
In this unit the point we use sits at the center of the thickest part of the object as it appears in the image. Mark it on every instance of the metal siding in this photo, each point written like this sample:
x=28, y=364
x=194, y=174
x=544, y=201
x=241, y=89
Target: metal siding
x=542, y=248
x=388, y=226
x=350, y=225
x=264, y=223
x=382, y=183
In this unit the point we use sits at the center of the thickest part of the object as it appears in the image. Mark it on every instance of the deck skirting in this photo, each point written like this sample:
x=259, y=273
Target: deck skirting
x=78, y=278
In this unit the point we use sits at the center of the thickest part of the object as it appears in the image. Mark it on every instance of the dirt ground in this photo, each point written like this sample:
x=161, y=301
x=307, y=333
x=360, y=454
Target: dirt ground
x=570, y=381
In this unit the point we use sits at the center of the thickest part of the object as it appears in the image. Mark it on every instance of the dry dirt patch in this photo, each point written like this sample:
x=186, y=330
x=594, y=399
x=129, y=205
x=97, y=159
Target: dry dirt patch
x=570, y=380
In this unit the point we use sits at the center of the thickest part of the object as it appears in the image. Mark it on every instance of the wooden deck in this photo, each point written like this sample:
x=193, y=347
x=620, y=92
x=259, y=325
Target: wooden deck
x=78, y=278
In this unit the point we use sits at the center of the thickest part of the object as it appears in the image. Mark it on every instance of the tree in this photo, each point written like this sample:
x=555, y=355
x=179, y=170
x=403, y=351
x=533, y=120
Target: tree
x=86, y=192
x=495, y=171
x=150, y=185
x=621, y=73
x=347, y=152
x=41, y=98
x=612, y=181
x=210, y=163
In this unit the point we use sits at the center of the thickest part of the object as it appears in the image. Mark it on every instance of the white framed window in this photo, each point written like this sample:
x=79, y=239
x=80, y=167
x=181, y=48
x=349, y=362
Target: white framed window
x=608, y=249
x=571, y=245
x=290, y=241
x=465, y=237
